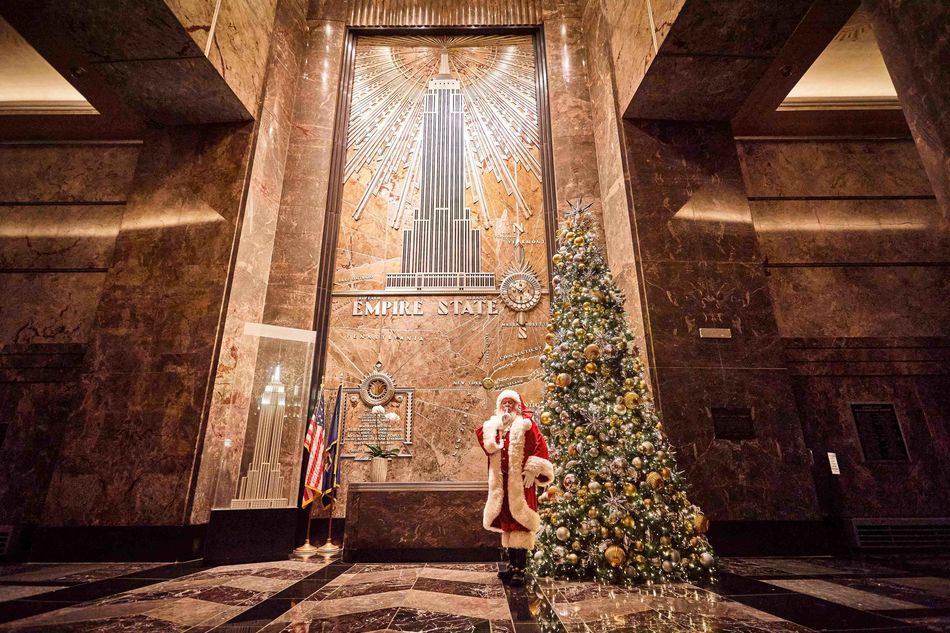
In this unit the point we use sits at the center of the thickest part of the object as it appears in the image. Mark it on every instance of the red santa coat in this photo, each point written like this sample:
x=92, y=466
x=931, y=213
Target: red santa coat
x=517, y=462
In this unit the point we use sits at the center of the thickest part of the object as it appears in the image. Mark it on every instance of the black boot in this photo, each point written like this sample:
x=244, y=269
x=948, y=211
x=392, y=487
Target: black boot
x=505, y=574
x=519, y=561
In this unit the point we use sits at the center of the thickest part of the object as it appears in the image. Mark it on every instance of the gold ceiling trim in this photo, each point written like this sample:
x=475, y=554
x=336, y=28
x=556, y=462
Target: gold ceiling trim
x=398, y=13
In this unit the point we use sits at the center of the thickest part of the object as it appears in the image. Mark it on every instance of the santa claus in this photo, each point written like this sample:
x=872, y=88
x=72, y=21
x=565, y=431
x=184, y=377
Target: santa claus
x=517, y=462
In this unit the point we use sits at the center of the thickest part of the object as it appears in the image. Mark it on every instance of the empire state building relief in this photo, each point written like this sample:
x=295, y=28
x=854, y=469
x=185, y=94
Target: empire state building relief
x=441, y=262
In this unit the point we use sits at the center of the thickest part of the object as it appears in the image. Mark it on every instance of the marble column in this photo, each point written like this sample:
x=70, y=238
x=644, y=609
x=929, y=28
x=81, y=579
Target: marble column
x=292, y=276
x=620, y=239
x=914, y=38
x=572, y=137
x=235, y=372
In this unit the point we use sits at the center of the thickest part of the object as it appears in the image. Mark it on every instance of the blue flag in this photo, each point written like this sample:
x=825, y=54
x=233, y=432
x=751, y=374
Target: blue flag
x=331, y=468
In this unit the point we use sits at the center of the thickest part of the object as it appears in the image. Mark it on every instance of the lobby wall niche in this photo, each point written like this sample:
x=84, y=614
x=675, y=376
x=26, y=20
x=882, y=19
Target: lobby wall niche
x=439, y=295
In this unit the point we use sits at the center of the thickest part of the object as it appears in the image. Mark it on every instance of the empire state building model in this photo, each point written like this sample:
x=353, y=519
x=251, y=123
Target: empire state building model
x=441, y=251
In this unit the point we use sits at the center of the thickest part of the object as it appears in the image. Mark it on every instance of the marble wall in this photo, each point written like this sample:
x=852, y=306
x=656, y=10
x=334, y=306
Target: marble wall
x=702, y=269
x=129, y=450
x=292, y=280
x=856, y=224
x=60, y=211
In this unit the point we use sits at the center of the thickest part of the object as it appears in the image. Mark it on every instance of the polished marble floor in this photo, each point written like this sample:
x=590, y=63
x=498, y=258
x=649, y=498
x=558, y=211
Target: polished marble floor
x=751, y=595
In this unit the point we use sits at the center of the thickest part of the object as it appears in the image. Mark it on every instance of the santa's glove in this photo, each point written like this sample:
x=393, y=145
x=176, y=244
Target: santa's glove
x=529, y=479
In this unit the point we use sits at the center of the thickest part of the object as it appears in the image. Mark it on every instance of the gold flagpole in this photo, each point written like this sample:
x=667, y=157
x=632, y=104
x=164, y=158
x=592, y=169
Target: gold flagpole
x=329, y=548
x=307, y=550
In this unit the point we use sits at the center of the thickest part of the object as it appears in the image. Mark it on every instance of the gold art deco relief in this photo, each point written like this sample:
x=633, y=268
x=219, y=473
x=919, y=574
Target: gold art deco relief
x=441, y=271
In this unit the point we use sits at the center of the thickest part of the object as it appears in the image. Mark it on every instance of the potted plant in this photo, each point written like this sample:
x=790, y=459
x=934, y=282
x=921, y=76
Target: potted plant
x=379, y=466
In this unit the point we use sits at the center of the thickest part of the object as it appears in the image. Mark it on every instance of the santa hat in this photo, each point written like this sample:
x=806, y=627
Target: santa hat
x=525, y=412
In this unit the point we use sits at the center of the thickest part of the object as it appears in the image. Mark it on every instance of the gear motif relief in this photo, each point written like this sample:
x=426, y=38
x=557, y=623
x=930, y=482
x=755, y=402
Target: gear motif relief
x=377, y=387
x=520, y=289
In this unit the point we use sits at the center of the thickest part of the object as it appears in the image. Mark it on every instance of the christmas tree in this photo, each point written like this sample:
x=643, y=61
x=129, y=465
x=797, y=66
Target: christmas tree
x=617, y=511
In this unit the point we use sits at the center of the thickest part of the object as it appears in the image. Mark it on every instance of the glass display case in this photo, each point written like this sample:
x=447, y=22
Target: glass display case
x=261, y=455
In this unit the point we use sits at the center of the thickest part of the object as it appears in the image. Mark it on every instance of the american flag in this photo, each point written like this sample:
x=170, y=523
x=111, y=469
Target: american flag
x=314, y=443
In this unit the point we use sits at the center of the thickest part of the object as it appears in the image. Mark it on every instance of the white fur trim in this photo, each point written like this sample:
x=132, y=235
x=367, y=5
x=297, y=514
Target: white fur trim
x=539, y=468
x=507, y=393
x=517, y=504
x=490, y=439
x=518, y=540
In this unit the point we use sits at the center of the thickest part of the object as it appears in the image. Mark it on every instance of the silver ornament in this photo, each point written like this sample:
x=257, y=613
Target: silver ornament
x=562, y=533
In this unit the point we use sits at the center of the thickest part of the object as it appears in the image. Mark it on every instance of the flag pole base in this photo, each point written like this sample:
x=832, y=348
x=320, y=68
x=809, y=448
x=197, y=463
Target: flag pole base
x=328, y=549
x=306, y=550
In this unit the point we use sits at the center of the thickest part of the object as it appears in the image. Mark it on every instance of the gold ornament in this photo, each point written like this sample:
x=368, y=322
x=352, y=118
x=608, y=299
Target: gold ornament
x=604, y=532
x=590, y=368
x=578, y=431
x=551, y=387
x=553, y=492
x=572, y=558
x=592, y=513
x=557, y=259
x=589, y=439
x=569, y=235
x=664, y=540
x=592, y=351
x=546, y=418
x=610, y=486
x=654, y=480
x=580, y=332
x=579, y=241
x=647, y=503
x=628, y=522
x=700, y=523
x=666, y=473
x=629, y=489
x=563, y=380
x=638, y=546
x=630, y=399
x=615, y=555
x=629, y=383
x=618, y=532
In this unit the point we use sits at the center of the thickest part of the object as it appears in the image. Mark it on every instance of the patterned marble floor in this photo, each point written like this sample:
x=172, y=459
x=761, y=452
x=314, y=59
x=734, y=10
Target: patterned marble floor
x=751, y=595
